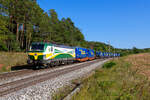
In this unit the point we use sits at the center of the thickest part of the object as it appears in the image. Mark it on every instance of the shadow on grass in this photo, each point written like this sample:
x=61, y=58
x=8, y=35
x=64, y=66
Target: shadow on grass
x=21, y=67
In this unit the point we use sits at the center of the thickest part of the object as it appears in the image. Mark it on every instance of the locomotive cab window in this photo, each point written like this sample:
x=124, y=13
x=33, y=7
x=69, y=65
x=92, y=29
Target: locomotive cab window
x=37, y=47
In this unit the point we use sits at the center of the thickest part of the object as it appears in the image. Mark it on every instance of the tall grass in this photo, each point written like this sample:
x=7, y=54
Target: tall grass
x=117, y=80
x=7, y=60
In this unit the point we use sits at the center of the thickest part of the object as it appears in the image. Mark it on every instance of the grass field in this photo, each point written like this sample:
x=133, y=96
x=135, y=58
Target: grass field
x=126, y=78
x=7, y=60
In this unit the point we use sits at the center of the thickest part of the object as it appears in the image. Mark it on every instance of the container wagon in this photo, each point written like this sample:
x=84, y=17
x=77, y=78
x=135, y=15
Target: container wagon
x=81, y=54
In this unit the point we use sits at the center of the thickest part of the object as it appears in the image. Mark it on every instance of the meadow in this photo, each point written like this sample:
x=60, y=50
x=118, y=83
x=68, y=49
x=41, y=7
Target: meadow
x=11, y=59
x=125, y=78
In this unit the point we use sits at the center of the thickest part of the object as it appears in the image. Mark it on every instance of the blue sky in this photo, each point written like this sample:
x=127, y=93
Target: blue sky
x=125, y=23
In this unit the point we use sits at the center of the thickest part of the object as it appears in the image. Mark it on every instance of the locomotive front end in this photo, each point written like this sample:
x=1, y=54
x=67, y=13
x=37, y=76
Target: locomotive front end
x=36, y=54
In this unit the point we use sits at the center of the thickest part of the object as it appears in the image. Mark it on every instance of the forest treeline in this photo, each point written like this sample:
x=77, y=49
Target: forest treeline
x=23, y=22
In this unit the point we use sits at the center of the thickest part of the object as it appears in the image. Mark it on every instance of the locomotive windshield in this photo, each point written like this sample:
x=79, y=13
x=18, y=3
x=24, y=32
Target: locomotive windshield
x=37, y=47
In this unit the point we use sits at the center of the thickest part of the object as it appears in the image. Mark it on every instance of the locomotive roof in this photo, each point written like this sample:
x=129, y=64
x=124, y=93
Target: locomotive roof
x=41, y=43
x=48, y=43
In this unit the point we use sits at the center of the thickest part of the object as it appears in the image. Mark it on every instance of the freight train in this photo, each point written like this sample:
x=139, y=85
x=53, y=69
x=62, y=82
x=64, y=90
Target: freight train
x=43, y=54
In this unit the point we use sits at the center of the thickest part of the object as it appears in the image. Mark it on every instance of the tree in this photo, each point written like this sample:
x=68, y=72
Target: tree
x=135, y=50
x=23, y=22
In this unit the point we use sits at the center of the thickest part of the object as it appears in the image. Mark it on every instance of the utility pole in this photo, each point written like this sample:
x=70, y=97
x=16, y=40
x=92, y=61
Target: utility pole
x=109, y=46
x=114, y=52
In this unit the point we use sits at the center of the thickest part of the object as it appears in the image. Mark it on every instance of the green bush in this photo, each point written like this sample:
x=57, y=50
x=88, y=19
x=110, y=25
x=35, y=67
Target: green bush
x=15, y=46
x=3, y=47
x=3, y=69
x=109, y=64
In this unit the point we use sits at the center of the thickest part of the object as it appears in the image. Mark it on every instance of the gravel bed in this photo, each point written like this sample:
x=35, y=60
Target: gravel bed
x=44, y=90
x=15, y=78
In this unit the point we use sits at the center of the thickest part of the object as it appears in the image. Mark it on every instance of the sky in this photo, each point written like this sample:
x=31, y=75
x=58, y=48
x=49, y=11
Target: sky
x=123, y=23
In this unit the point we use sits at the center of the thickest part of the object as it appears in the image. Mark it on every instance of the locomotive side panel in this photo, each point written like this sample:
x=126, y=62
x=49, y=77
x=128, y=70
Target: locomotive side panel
x=63, y=52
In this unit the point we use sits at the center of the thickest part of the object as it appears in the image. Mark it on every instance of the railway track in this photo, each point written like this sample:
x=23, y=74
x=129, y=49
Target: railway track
x=15, y=73
x=26, y=82
x=25, y=72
